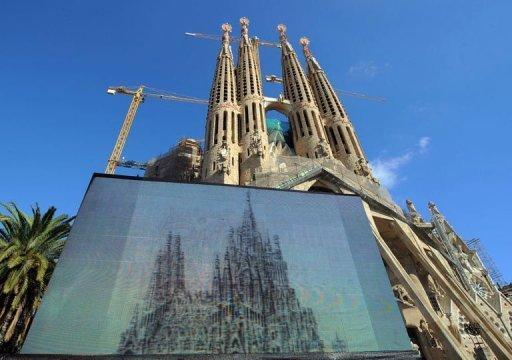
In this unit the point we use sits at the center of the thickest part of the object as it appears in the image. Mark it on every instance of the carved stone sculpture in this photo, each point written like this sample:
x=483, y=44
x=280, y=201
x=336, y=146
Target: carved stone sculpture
x=429, y=335
x=362, y=167
x=223, y=158
x=433, y=208
x=255, y=145
x=415, y=215
x=321, y=149
x=402, y=296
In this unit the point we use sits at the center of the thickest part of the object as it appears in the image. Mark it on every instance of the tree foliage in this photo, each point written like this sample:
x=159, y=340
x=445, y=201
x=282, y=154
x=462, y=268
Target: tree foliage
x=30, y=245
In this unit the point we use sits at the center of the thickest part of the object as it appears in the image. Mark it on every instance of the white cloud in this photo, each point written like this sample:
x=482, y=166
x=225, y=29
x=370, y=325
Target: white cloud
x=387, y=169
x=367, y=69
x=423, y=144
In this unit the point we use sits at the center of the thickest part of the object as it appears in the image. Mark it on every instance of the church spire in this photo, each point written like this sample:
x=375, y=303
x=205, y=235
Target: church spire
x=220, y=161
x=342, y=138
x=252, y=125
x=309, y=135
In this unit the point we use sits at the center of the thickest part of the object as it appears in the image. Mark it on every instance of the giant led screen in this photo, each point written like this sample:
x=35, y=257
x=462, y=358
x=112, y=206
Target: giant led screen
x=169, y=268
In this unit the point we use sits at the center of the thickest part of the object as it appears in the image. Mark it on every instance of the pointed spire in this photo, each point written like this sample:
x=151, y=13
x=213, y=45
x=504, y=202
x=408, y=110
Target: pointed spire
x=304, y=41
x=310, y=138
x=252, y=123
x=413, y=213
x=285, y=45
x=221, y=143
x=282, y=32
x=312, y=62
x=216, y=283
x=244, y=23
x=249, y=213
x=226, y=39
x=433, y=209
x=343, y=141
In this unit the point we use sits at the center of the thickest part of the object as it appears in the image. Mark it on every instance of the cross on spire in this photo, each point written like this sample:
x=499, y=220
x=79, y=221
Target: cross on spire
x=304, y=41
x=244, y=22
x=226, y=29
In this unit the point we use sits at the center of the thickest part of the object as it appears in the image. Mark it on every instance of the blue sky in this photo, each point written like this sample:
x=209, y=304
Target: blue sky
x=445, y=68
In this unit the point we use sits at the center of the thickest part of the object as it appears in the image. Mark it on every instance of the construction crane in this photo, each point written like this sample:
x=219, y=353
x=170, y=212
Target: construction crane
x=233, y=39
x=138, y=96
x=276, y=79
x=132, y=164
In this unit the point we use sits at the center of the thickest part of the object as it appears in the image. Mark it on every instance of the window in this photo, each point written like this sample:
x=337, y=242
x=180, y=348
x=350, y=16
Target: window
x=334, y=138
x=215, y=129
x=317, y=126
x=293, y=125
x=308, y=124
x=254, y=117
x=239, y=117
x=263, y=125
x=233, y=133
x=297, y=116
x=343, y=140
x=224, y=124
x=208, y=134
x=246, y=115
x=354, y=143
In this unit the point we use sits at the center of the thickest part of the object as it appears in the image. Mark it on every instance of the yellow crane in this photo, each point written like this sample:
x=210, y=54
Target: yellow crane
x=138, y=96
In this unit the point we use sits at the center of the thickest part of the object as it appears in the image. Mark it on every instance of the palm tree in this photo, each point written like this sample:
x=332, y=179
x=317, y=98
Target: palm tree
x=29, y=248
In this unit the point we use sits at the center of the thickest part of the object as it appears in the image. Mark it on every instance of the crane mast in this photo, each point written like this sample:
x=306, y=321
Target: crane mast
x=115, y=157
x=138, y=97
x=233, y=39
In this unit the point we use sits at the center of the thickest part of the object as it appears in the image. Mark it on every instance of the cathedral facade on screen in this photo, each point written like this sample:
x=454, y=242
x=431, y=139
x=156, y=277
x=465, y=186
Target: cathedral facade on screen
x=249, y=308
x=451, y=306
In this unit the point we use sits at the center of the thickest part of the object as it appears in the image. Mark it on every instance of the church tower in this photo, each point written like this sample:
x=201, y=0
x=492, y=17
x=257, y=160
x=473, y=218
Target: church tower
x=309, y=135
x=252, y=127
x=220, y=161
x=344, y=144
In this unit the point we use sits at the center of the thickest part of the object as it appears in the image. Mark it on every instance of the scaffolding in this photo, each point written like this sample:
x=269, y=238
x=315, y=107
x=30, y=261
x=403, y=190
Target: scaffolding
x=181, y=163
x=485, y=257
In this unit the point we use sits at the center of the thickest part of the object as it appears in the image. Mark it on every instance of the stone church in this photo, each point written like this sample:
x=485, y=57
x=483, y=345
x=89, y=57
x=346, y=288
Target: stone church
x=451, y=307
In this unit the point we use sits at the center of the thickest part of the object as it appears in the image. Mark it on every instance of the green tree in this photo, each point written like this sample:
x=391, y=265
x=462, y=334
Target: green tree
x=30, y=245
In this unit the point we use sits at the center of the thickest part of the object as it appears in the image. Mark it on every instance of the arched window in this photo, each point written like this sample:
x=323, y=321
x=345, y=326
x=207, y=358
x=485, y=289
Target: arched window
x=354, y=143
x=233, y=132
x=208, y=134
x=246, y=116
x=298, y=119
x=224, y=125
x=294, y=127
x=254, y=117
x=263, y=125
x=343, y=140
x=308, y=124
x=334, y=139
x=239, y=117
x=317, y=126
x=215, y=128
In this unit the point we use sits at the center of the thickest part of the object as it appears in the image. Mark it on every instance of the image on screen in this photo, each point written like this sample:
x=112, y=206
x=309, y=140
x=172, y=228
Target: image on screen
x=169, y=268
